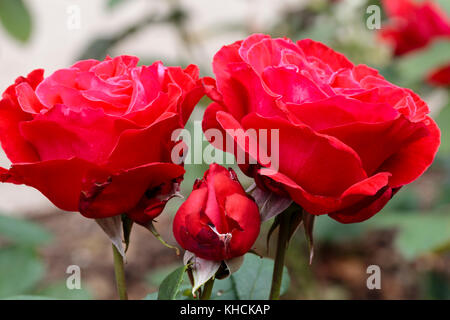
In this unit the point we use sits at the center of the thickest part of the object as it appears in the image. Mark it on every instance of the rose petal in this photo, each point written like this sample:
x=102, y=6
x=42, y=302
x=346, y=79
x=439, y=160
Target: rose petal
x=364, y=209
x=320, y=164
x=245, y=235
x=339, y=110
x=13, y=143
x=318, y=204
x=323, y=53
x=300, y=88
x=63, y=133
x=59, y=180
x=376, y=142
x=137, y=147
x=412, y=159
x=120, y=192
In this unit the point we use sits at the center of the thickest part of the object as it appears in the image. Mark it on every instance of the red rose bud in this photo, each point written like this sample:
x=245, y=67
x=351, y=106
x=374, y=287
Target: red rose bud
x=218, y=221
x=96, y=137
x=347, y=139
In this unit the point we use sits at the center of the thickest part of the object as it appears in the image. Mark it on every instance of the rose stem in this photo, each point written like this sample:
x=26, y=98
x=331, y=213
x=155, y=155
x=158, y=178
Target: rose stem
x=120, y=274
x=207, y=289
x=282, y=244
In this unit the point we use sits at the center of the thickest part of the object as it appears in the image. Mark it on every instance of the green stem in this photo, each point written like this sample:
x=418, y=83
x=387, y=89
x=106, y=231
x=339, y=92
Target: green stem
x=207, y=289
x=120, y=274
x=282, y=244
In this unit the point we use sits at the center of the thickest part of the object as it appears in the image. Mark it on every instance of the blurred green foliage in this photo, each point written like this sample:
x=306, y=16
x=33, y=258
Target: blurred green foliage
x=415, y=67
x=22, y=270
x=16, y=19
x=23, y=233
x=416, y=233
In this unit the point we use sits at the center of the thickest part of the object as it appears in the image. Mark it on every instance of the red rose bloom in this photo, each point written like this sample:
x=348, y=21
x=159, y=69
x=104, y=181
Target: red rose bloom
x=440, y=77
x=218, y=221
x=95, y=137
x=414, y=24
x=348, y=139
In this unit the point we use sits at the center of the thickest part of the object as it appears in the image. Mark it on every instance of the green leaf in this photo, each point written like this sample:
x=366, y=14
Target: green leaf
x=16, y=19
x=224, y=290
x=151, y=296
x=20, y=271
x=329, y=230
x=251, y=282
x=445, y=5
x=157, y=275
x=416, y=66
x=28, y=297
x=435, y=286
x=56, y=291
x=170, y=286
x=417, y=233
x=23, y=232
x=60, y=291
x=111, y=4
x=98, y=48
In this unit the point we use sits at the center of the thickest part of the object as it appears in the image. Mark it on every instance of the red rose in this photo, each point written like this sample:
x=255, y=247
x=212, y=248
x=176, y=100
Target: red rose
x=218, y=221
x=440, y=77
x=348, y=139
x=413, y=25
x=95, y=137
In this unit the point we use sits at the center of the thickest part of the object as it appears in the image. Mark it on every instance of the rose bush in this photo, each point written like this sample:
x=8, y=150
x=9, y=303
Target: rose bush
x=348, y=139
x=218, y=221
x=95, y=137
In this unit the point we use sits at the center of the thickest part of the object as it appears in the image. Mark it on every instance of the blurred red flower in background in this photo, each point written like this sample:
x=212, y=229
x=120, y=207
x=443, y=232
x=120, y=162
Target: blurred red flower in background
x=413, y=24
x=440, y=77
